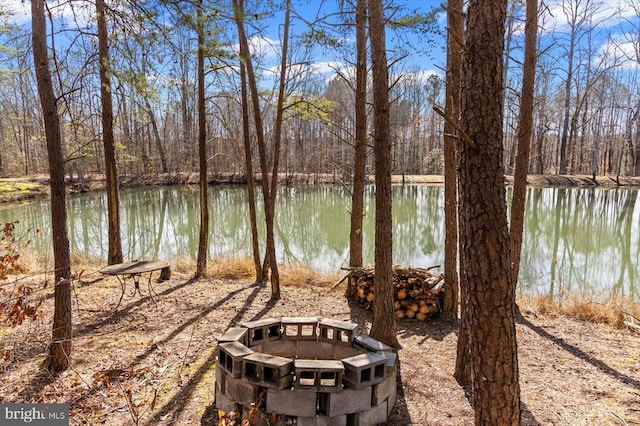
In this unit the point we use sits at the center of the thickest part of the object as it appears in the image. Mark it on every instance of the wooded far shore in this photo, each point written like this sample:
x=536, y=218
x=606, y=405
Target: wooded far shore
x=37, y=186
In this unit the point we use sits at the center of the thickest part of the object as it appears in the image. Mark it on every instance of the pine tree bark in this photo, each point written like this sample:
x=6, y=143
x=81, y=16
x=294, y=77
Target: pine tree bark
x=455, y=291
x=455, y=34
x=111, y=173
x=484, y=234
x=383, y=327
x=360, y=151
x=524, y=138
x=58, y=357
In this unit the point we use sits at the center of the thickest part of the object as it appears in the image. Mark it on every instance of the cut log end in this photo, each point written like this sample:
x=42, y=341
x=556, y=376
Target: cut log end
x=418, y=293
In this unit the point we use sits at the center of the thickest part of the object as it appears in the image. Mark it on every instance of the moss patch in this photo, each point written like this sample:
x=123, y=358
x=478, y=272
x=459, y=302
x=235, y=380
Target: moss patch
x=15, y=190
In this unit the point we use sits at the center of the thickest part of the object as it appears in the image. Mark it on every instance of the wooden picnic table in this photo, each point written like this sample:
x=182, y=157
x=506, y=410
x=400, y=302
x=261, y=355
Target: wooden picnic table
x=134, y=270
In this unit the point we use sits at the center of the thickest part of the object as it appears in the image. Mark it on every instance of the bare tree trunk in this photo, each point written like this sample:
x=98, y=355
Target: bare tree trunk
x=2, y=139
x=245, y=56
x=156, y=136
x=203, y=241
x=383, y=327
x=59, y=355
x=634, y=153
x=455, y=28
x=524, y=138
x=507, y=56
x=596, y=142
x=251, y=196
x=360, y=152
x=484, y=234
x=111, y=173
x=271, y=249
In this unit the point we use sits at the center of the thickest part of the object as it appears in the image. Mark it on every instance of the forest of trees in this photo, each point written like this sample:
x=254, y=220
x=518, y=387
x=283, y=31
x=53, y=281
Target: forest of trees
x=127, y=87
x=585, y=118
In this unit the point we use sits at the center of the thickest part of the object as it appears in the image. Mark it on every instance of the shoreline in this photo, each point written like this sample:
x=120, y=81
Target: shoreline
x=37, y=186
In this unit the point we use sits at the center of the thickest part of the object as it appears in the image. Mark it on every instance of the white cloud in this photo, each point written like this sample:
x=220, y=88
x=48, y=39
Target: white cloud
x=264, y=47
x=80, y=13
x=20, y=10
x=319, y=68
x=421, y=76
x=623, y=50
x=328, y=67
x=605, y=13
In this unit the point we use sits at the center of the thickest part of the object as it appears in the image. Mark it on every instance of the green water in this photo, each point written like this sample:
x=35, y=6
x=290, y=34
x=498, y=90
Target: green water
x=583, y=240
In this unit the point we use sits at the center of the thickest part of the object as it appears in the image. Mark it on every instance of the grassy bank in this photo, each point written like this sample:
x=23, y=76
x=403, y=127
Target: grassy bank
x=617, y=312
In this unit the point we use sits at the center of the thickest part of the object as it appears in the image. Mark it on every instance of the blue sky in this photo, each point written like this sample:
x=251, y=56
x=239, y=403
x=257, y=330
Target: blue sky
x=423, y=56
x=308, y=10
x=616, y=21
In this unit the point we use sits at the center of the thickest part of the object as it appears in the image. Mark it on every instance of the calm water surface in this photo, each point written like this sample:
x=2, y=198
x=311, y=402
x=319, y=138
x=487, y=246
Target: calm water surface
x=584, y=240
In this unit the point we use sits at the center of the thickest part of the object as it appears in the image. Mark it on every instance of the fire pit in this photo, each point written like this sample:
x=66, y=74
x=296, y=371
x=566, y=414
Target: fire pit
x=306, y=371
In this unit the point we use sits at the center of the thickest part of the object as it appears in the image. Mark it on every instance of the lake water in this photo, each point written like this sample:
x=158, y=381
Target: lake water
x=582, y=240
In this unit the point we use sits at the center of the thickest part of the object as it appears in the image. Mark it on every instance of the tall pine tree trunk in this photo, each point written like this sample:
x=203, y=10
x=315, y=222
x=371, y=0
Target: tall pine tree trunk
x=484, y=233
x=455, y=34
x=58, y=358
x=360, y=152
x=383, y=327
x=524, y=138
x=111, y=173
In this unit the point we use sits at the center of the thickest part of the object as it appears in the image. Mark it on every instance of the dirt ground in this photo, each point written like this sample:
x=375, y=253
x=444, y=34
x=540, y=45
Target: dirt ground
x=152, y=362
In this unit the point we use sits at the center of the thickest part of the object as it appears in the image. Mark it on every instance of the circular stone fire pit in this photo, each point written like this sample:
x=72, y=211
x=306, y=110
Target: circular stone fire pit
x=306, y=371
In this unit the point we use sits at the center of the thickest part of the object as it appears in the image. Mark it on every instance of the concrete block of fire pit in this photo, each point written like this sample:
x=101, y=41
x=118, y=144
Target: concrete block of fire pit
x=230, y=357
x=322, y=421
x=338, y=331
x=223, y=402
x=300, y=328
x=235, y=334
x=384, y=389
x=375, y=416
x=268, y=370
x=262, y=331
x=392, y=359
x=370, y=344
x=241, y=392
x=221, y=375
x=292, y=402
x=346, y=402
x=391, y=401
x=306, y=371
x=364, y=370
x=318, y=375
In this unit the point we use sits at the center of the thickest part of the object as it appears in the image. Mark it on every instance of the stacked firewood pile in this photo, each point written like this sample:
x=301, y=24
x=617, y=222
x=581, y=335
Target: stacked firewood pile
x=419, y=293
